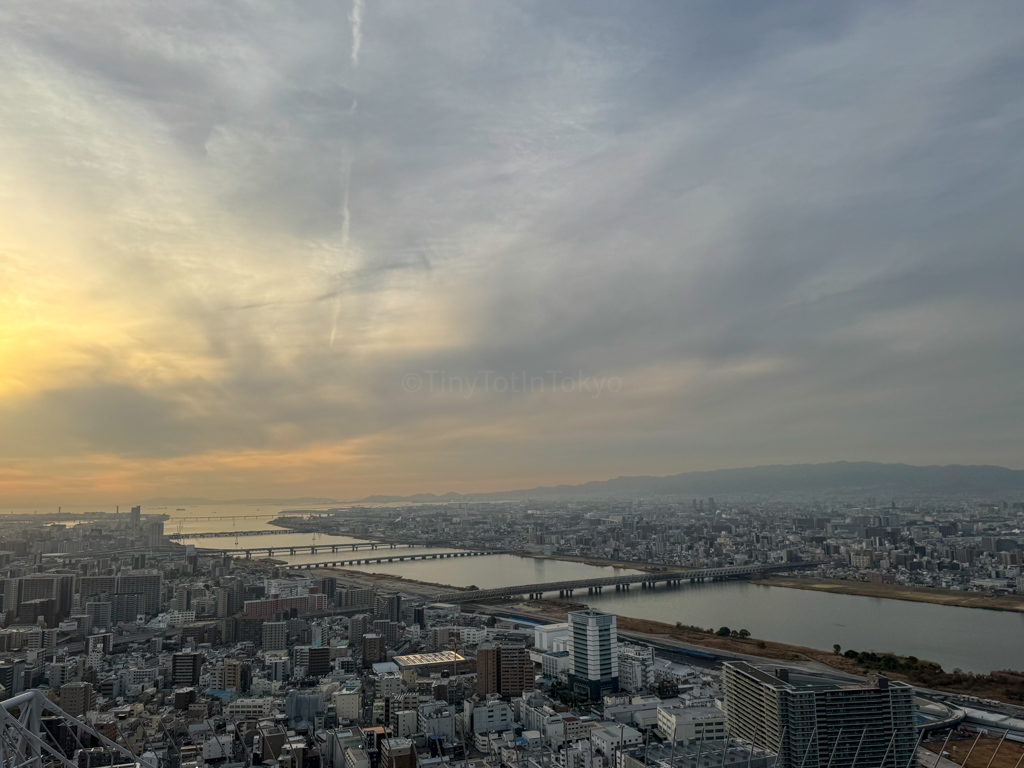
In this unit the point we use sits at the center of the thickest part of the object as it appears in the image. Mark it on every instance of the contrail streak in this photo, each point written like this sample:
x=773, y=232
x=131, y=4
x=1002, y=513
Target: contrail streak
x=355, y=18
x=346, y=231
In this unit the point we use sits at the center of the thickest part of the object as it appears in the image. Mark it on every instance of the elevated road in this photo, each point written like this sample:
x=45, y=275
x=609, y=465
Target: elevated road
x=394, y=559
x=621, y=583
x=227, y=534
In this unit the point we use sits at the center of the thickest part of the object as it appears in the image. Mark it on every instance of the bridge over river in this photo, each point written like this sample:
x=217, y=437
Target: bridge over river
x=395, y=558
x=294, y=549
x=621, y=583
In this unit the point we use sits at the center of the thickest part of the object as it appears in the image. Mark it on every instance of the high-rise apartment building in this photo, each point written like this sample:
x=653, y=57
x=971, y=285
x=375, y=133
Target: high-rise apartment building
x=636, y=668
x=100, y=613
x=76, y=698
x=374, y=649
x=593, y=653
x=235, y=675
x=147, y=584
x=185, y=668
x=504, y=669
x=60, y=588
x=869, y=726
x=389, y=606
x=356, y=597
x=391, y=630
x=275, y=636
x=315, y=659
x=358, y=626
x=155, y=532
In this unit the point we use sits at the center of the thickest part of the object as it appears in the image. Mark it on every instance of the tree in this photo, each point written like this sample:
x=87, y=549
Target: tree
x=744, y=633
x=724, y=632
x=836, y=649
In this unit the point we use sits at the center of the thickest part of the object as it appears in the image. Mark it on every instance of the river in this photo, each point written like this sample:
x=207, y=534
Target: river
x=971, y=639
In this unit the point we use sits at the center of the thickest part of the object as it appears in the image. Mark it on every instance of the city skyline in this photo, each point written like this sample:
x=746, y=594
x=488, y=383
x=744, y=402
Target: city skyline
x=390, y=248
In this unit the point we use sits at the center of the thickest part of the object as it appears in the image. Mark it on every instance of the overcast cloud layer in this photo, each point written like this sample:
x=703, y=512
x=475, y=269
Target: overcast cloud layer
x=257, y=247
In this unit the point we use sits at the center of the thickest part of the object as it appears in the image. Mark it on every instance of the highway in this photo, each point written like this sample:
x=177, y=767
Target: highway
x=620, y=582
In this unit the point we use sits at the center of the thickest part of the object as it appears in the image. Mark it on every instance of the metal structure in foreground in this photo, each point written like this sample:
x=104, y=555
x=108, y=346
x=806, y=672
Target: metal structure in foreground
x=31, y=731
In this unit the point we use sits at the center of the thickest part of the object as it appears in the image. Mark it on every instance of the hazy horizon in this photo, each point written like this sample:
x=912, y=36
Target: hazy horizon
x=344, y=249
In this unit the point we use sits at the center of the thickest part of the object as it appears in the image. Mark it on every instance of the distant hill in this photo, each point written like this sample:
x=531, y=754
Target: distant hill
x=424, y=498
x=779, y=481
x=840, y=479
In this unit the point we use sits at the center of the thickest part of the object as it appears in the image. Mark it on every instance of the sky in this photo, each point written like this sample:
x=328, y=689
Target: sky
x=262, y=248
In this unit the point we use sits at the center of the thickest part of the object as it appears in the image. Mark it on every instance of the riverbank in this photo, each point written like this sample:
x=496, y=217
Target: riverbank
x=951, y=597
x=599, y=562
x=1007, y=687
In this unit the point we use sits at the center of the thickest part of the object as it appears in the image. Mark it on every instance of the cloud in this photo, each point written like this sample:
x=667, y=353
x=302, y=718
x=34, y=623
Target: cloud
x=792, y=235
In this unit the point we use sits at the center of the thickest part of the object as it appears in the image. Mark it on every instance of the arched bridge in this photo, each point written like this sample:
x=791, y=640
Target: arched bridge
x=621, y=583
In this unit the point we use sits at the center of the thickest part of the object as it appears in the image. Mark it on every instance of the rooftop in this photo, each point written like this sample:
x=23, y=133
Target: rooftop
x=418, y=659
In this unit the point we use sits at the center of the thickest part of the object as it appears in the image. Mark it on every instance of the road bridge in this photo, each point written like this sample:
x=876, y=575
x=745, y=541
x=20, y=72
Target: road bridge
x=303, y=548
x=620, y=583
x=394, y=559
x=223, y=534
x=176, y=549
x=184, y=518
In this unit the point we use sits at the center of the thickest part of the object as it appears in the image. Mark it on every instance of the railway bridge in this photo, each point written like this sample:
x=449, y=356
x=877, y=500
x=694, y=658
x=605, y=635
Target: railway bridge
x=621, y=583
x=302, y=548
x=395, y=558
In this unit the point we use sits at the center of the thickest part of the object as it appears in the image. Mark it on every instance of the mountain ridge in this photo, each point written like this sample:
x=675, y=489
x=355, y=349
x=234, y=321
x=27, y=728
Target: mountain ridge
x=830, y=478
x=837, y=478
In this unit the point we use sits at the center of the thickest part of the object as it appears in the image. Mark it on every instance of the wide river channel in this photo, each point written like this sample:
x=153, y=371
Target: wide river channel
x=970, y=639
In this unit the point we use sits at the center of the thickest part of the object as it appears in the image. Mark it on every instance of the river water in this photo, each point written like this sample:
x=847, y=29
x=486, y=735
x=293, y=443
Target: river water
x=971, y=639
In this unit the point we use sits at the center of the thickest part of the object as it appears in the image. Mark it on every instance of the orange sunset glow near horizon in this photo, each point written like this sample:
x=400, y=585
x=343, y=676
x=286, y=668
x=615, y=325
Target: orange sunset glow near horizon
x=254, y=250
